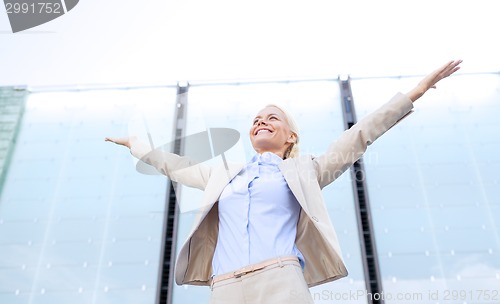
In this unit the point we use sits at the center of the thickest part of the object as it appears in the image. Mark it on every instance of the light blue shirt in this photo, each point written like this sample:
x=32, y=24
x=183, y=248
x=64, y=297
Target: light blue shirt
x=258, y=217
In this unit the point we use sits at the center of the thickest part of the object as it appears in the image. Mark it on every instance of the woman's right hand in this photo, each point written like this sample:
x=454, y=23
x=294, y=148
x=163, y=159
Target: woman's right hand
x=123, y=141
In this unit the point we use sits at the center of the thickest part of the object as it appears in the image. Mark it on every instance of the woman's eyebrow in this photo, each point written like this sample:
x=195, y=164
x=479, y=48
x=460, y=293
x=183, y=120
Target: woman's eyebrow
x=271, y=114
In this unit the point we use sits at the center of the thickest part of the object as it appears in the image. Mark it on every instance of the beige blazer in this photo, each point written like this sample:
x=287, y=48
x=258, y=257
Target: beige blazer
x=306, y=175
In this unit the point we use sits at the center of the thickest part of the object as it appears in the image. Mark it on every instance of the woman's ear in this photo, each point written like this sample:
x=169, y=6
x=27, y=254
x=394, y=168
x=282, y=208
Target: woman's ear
x=292, y=138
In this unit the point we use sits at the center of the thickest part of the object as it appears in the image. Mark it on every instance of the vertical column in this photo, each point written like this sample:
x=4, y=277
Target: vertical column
x=363, y=211
x=166, y=279
x=12, y=101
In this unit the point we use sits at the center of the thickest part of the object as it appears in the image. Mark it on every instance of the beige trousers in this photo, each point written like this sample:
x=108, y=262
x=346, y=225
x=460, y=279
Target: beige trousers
x=275, y=284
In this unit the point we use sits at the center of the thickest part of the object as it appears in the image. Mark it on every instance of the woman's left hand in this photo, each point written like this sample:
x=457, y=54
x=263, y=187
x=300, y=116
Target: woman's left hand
x=430, y=80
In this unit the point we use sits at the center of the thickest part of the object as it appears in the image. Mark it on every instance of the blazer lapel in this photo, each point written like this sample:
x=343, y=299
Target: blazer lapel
x=292, y=178
x=218, y=181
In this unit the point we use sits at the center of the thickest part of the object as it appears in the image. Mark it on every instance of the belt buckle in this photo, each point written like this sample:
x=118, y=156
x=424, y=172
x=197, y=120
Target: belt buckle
x=242, y=271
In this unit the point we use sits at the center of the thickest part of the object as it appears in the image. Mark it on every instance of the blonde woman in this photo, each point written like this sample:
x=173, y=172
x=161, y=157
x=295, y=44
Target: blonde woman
x=265, y=235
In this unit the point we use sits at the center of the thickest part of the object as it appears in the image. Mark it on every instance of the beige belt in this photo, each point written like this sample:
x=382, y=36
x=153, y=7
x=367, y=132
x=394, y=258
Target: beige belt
x=254, y=267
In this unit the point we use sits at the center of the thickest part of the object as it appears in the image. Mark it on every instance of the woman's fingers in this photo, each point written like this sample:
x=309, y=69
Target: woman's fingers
x=450, y=68
x=124, y=141
x=443, y=72
x=430, y=81
x=454, y=67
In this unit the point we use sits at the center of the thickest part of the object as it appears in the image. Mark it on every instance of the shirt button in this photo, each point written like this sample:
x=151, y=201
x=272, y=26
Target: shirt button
x=315, y=219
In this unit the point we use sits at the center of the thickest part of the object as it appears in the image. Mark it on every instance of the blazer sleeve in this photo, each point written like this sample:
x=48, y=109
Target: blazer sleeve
x=351, y=145
x=178, y=168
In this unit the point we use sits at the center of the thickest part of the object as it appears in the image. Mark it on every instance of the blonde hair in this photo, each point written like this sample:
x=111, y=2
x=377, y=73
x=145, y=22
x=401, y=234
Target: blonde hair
x=293, y=149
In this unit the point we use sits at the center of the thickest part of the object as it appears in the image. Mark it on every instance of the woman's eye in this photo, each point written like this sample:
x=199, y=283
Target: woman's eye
x=273, y=118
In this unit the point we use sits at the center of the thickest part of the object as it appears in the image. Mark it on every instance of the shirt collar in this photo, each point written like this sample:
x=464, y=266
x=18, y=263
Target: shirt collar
x=267, y=158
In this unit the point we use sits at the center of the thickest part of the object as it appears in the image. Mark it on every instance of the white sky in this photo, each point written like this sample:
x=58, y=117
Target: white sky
x=160, y=42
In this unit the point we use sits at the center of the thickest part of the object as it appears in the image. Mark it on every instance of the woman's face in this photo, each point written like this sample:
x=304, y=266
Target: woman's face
x=270, y=132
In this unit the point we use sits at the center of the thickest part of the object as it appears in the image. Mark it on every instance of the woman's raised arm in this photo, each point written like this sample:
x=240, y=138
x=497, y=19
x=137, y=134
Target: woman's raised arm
x=351, y=145
x=180, y=169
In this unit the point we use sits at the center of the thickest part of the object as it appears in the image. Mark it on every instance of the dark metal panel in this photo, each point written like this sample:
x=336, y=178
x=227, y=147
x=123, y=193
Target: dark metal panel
x=12, y=104
x=166, y=273
x=363, y=211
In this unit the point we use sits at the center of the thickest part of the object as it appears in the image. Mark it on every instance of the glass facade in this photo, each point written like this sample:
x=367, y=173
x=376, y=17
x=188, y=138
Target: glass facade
x=79, y=224
x=12, y=102
x=434, y=193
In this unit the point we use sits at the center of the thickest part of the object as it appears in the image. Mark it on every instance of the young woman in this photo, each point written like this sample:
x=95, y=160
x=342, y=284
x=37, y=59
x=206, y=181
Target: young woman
x=265, y=235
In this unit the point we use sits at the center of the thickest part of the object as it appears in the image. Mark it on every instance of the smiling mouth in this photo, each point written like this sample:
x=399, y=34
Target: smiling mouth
x=262, y=130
